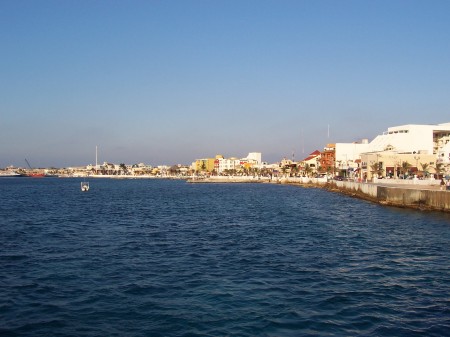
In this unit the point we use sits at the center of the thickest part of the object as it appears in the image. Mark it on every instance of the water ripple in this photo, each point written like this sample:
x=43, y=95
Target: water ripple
x=165, y=258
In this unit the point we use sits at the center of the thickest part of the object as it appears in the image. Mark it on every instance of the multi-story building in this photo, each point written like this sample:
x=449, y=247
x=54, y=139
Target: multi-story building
x=328, y=159
x=312, y=162
x=234, y=164
x=412, y=144
x=254, y=157
x=412, y=138
x=204, y=165
x=441, y=144
x=222, y=164
x=347, y=157
x=406, y=143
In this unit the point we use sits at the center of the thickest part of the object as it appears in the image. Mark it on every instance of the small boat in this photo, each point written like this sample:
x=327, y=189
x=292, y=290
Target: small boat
x=84, y=186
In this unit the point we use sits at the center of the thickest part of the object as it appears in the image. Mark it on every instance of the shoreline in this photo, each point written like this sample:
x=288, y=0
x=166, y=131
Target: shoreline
x=426, y=196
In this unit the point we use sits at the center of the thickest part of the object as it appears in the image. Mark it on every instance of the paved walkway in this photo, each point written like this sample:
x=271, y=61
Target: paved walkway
x=411, y=186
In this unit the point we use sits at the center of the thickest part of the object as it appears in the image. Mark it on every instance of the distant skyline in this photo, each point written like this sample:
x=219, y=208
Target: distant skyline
x=168, y=82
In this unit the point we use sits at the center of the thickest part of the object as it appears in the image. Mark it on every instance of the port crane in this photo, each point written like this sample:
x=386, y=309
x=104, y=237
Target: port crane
x=33, y=174
x=29, y=166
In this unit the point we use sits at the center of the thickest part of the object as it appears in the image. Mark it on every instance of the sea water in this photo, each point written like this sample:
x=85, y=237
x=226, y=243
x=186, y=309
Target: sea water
x=169, y=258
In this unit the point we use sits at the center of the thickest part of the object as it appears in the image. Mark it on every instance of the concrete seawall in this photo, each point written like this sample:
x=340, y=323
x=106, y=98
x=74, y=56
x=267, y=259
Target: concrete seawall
x=418, y=196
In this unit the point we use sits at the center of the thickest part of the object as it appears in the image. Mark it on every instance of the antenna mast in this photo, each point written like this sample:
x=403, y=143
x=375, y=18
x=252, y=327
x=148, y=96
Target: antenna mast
x=303, y=143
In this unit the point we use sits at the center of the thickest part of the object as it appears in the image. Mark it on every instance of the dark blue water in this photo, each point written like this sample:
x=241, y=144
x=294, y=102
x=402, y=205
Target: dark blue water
x=168, y=258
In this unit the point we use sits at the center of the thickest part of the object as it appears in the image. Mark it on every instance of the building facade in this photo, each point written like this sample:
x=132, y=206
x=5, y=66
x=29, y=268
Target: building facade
x=411, y=143
x=328, y=159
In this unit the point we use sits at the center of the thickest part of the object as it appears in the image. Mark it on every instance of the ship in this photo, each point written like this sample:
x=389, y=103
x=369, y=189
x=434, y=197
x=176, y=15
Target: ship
x=32, y=173
x=35, y=175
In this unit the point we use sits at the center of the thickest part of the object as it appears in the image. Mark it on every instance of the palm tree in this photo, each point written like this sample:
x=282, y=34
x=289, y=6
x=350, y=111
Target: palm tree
x=123, y=168
x=308, y=170
x=405, y=167
x=174, y=169
x=376, y=169
x=424, y=168
x=265, y=172
x=439, y=169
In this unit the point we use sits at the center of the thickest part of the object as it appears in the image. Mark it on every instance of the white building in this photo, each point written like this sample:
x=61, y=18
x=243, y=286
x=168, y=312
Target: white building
x=441, y=140
x=347, y=154
x=254, y=157
x=405, y=139
x=222, y=164
x=412, y=138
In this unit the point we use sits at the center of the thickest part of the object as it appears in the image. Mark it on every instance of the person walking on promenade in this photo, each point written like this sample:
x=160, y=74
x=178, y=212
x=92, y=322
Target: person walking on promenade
x=442, y=184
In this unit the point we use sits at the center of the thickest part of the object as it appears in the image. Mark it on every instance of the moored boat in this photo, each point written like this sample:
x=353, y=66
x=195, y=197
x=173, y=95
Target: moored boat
x=36, y=175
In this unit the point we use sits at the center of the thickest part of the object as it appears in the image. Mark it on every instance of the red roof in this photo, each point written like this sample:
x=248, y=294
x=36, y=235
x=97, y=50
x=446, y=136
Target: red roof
x=312, y=155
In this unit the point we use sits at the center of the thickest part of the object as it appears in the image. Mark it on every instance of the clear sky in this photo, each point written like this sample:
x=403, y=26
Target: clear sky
x=167, y=82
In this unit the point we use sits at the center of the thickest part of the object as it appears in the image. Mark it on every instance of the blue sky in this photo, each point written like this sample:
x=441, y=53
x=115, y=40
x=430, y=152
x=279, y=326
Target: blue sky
x=166, y=82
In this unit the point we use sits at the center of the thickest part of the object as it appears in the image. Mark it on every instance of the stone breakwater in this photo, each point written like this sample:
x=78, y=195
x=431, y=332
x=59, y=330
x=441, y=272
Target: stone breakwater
x=422, y=197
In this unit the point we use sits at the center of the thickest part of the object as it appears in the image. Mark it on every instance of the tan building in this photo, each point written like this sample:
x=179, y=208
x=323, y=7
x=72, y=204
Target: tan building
x=311, y=163
x=389, y=164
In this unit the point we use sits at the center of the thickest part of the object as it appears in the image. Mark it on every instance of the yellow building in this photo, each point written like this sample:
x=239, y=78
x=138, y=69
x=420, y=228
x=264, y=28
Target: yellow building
x=204, y=165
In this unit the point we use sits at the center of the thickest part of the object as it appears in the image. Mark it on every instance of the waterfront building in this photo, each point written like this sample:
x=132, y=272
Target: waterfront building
x=286, y=163
x=441, y=140
x=392, y=164
x=222, y=165
x=311, y=163
x=430, y=143
x=412, y=138
x=253, y=160
x=411, y=144
x=347, y=156
x=328, y=159
x=140, y=169
x=204, y=165
x=254, y=157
